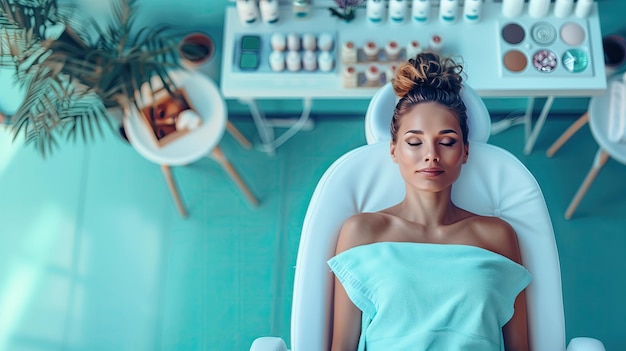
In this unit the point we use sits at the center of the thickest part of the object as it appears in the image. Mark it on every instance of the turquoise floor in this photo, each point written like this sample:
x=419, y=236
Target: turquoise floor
x=94, y=256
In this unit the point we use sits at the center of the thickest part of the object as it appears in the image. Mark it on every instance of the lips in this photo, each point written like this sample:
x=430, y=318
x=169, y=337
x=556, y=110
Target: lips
x=431, y=171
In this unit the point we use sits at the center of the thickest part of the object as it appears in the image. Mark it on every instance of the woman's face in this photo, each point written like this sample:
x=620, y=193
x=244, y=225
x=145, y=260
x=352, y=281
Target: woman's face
x=429, y=149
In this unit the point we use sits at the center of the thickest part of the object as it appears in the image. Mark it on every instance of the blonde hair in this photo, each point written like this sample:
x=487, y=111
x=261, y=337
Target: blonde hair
x=429, y=78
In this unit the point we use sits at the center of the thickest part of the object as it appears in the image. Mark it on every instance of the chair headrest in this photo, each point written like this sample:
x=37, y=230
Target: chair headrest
x=380, y=111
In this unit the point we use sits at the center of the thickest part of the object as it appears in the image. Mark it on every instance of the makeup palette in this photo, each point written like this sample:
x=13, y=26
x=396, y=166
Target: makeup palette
x=545, y=47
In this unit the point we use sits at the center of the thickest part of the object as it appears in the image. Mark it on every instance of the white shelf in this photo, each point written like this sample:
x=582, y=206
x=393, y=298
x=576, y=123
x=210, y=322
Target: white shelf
x=479, y=45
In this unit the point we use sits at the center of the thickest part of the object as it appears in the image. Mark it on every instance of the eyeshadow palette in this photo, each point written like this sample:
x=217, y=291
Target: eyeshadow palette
x=537, y=48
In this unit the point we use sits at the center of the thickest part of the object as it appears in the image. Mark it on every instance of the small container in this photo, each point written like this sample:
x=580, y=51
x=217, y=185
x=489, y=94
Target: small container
x=398, y=10
x=583, y=8
x=350, y=77
x=278, y=41
x=247, y=11
x=277, y=61
x=301, y=8
x=538, y=8
x=293, y=42
x=376, y=11
x=325, y=61
x=413, y=48
x=563, y=8
x=370, y=49
x=309, y=60
x=448, y=11
x=420, y=11
x=392, y=50
x=348, y=52
x=325, y=42
x=309, y=42
x=436, y=43
x=269, y=11
x=512, y=8
x=294, y=61
x=472, y=11
x=372, y=76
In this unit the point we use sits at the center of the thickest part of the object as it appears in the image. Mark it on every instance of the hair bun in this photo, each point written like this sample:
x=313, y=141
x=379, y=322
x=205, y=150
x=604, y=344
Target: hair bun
x=428, y=70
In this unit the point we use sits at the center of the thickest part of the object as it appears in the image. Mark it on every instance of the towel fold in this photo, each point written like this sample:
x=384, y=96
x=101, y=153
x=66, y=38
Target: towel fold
x=420, y=296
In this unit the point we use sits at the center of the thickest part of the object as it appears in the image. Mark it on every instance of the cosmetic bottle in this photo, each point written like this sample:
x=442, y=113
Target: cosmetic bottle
x=301, y=8
x=398, y=11
x=247, y=11
x=420, y=11
x=448, y=10
x=376, y=11
x=583, y=8
x=472, y=10
x=563, y=8
x=512, y=8
x=538, y=8
x=269, y=11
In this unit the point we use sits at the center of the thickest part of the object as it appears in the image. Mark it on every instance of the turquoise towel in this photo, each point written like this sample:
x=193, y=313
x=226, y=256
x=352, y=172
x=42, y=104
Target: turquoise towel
x=419, y=296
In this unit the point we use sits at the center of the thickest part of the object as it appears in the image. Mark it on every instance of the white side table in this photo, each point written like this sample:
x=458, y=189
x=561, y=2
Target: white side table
x=599, y=123
x=203, y=141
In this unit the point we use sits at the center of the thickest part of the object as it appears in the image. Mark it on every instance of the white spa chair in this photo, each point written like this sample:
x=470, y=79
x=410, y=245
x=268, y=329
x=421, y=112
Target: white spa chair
x=492, y=183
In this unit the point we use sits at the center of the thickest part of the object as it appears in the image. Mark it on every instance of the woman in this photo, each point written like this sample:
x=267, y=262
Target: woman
x=426, y=274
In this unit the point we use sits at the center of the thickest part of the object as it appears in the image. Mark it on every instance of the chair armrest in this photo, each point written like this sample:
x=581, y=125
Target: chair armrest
x=585, y=344
x=268, y=343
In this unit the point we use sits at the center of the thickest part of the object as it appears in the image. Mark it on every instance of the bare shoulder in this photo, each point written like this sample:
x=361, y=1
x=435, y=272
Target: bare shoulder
x=361, y=229
x=498, y=236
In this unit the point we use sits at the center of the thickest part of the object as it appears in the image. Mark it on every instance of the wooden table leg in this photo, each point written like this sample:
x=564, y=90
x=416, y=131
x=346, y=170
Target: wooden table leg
x=221, y=159
x=581, y=121
x=170, y=184
x=599, y=161
x=237, y=135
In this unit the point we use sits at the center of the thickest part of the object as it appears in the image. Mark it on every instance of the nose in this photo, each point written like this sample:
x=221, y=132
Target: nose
x=432, y=155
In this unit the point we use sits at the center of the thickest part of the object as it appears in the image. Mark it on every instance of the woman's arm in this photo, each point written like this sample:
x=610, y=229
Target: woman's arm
x=346, y=321
x=346, y=316
x=515, y=331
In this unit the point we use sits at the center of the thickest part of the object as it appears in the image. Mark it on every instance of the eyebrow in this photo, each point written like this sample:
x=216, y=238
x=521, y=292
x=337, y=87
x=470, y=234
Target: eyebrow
x=445, y=131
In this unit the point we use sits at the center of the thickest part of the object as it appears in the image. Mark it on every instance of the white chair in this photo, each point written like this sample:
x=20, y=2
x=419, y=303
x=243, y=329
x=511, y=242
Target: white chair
x=492, y=183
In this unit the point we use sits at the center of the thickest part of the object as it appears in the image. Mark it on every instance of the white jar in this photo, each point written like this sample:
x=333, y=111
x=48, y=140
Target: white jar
x=512, y=8
x=563, y=8
x=538, y=8
x=448, y=11
x=398, y=11
x=583, y=8
x=269, y=11
x=376, y=11
x=247, y=11
x=472, y=10
x=421, y=11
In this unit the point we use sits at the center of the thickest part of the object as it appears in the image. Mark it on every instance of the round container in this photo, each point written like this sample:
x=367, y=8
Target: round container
x=309, y=60
x=515, y=61
x=294, y=61
x=277, y=61
x=436, y=43
x=325, y=42
x=513, y=33
x=614, y=53
x=325, y=61
x=372, y=75
x=269, y=11
x=420, y=11
x=247, y=11
x=348, y=52
x=545, y=61
x=572, y=34
x=195, y=49
x=392, y=50
x=413, y=48
x=309, y=42
x=293, y=42
x=350, y=77
x=370, y=49
x=512, y=8
x=376, y=10
x=278, y=42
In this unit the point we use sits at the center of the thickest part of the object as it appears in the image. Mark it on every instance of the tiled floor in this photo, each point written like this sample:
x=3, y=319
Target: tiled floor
x=94, y=256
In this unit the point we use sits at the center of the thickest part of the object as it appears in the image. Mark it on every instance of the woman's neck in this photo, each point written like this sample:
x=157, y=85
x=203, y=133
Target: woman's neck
x=429, y=209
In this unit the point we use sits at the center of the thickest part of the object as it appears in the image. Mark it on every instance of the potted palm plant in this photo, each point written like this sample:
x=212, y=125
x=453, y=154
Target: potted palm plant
x=73, y=70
